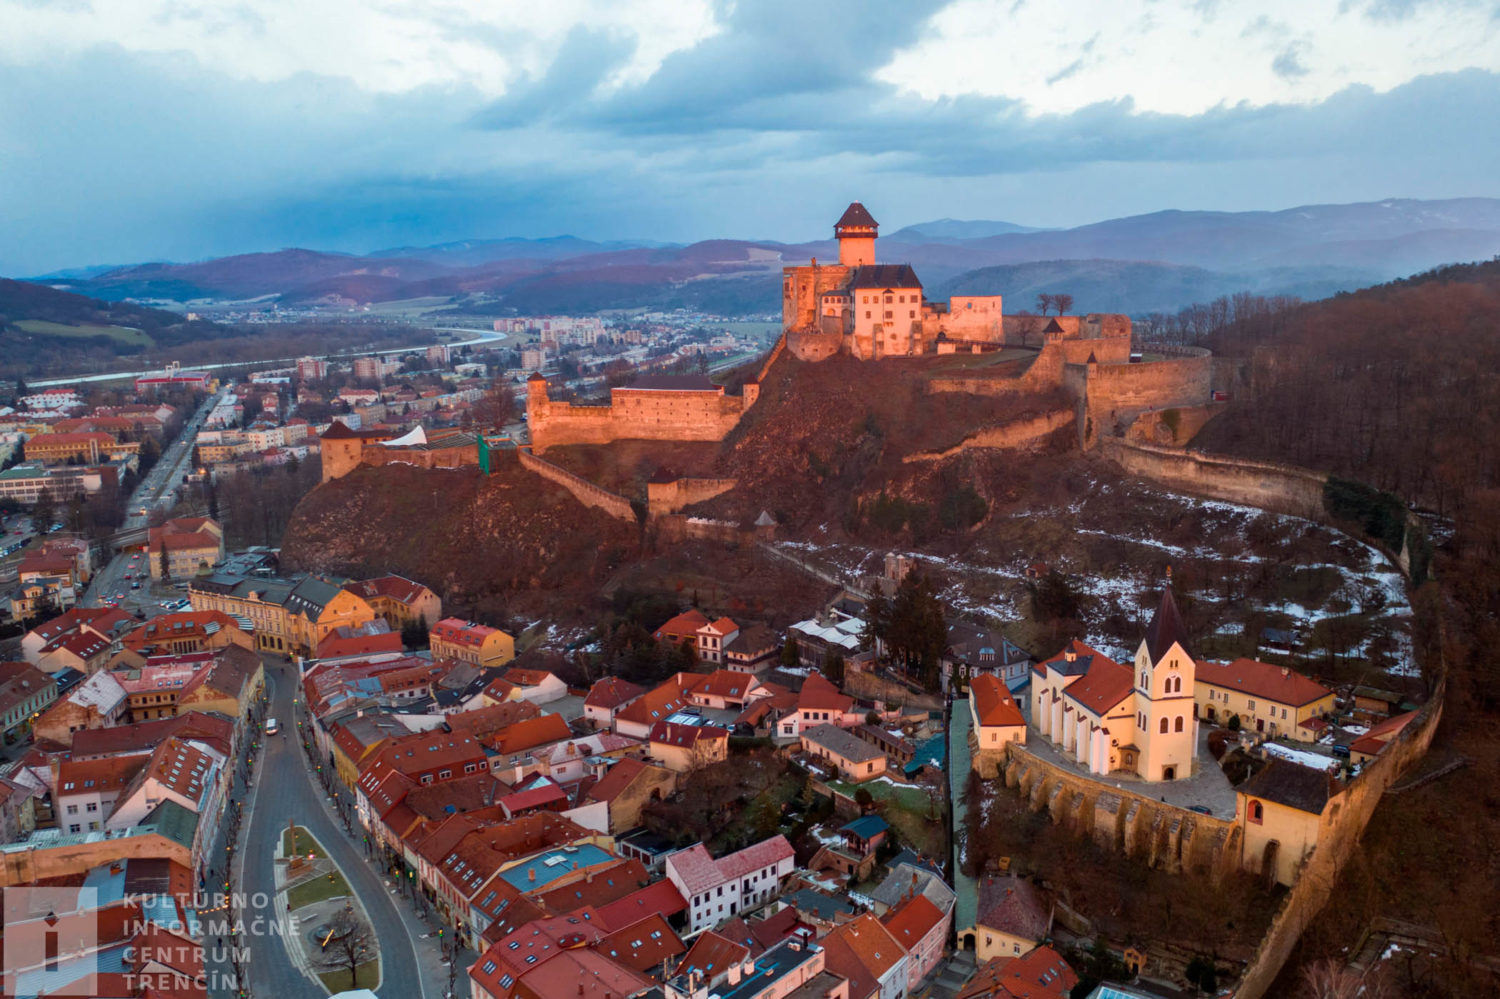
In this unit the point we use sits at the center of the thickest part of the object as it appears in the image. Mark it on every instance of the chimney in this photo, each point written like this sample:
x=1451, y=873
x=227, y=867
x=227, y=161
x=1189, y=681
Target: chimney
x=1286, y=671
x=531, y=874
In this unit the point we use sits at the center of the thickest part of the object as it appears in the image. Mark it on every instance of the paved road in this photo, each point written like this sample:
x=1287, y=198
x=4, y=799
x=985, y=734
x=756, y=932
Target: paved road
x=284, y=790
x=109, y=582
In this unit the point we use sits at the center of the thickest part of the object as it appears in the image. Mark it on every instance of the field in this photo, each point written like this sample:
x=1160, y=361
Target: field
x=316, y=890
x=765, y=332
x=125, y=335
x=338, y=981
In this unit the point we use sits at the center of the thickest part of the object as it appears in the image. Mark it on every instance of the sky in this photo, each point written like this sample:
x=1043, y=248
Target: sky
x=136, y=130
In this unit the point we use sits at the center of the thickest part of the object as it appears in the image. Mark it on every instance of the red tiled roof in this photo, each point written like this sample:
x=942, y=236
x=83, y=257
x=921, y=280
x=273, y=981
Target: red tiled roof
x=1106, y=684
x=531, y=732
x=1039, y=974
x=611, y=692
x=1373, y=741
x=659, y=896
x=913, y=920
x=1013, y=905
x=460, y=632
x=686, y=736
x=684, y=624
x=711, y=954
x=643, y=945
x=1263, y=680
x=992, y=702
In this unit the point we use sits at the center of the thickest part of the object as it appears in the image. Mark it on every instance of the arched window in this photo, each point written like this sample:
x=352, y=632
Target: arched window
x=1178, y=726
x=1163, y=726
x=1256, y=812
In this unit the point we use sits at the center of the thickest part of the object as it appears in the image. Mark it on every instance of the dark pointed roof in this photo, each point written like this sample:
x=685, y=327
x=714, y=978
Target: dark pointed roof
x=856, y=215
x=1053, y=327
x=882, y=276
x=1292, y=785
x=1166, y=628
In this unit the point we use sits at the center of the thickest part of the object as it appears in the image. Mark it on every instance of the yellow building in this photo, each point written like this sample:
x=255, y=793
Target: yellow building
x=1272, y=700
x=995, y=715
x=1013, y=917
x=466, y=641
x=191, y=544
x=289, y=618
x=1280, y=813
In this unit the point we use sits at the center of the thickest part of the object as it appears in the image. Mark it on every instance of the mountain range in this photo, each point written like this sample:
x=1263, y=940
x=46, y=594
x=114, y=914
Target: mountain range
x=1162, y=260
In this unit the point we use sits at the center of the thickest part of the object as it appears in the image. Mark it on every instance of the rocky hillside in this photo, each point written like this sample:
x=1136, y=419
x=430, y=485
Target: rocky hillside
x=475, y=540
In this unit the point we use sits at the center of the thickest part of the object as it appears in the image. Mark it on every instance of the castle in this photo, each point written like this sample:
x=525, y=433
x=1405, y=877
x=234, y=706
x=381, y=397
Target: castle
x=655, y=407
x=870, y=310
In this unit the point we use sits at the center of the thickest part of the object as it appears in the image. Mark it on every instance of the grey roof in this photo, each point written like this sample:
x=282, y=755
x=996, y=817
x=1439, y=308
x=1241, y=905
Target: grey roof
x=883, y=276
x=906, y=879
x=673, y=383
x=824, y=907
x=310, y=596
x=851, y=747
x=1293, y=785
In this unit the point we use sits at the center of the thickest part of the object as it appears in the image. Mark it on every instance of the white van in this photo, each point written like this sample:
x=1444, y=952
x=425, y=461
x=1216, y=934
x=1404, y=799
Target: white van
x=272, y=726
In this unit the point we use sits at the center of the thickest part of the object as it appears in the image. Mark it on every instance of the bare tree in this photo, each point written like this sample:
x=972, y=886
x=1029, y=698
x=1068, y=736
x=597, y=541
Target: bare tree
x=496, y=407
x=349, y=943
x=1044, y=301
x=1063, y=302
x=1327, y=979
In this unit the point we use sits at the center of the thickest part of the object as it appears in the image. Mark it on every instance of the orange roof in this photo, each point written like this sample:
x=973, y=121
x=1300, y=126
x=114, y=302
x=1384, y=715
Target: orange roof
x=655, y=704
x=819, y=693
x=1263, y=680
x=530, y=733
x=1105, y=685
x=611, y=692
x=862, y=950
x=913, y=920
x=684, y=624
x=1041, y=973
x=1373, y=741
x=460, y=632
x=993, y=704
x=711, y=955
x=170, y=627
x=112, y=773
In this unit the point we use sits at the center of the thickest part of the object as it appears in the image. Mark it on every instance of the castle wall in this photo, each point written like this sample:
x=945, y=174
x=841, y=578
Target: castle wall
x=807, y=345
x=1271, y=486
x=801, y=287
x=1018, y=433
x=669, y=497
x=583, y=490
x=444, y=457
x=1045, y=372
x=972, y=317
x=636, y=414
x=340, y=456
x=1342, y=825
x=1116, y=391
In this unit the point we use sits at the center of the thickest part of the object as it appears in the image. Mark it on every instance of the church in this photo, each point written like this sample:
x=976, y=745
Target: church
x=1119, y=718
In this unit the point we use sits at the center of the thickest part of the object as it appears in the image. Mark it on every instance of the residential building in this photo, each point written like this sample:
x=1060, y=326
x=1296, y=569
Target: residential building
x=467, y=641
x=98, y=702
x=1272, y=700
x=864, y=952
x=1041, y=973
x=190, y=544
x=921, y=928
x=78, y=448
x=972, y=651
x=854, y=758
x=607, y=696
x=683, y=748
x=188, y=631
x=996, y=717
x=819, y=702
x=25, y=692
x=88, y=789
x=753, y=650
x=1012, y=918
x=399, y=600
x=717, y=889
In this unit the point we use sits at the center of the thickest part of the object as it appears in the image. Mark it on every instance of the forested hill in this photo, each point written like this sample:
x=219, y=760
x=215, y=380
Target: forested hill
x=22, y=301
x=1395, y=385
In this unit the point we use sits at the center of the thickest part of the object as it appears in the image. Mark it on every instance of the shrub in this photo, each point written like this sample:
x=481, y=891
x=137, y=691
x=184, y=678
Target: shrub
x=1234, y=723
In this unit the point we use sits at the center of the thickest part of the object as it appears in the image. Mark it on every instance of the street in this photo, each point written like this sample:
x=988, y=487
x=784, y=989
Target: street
x=284, y=789
x=109, y=582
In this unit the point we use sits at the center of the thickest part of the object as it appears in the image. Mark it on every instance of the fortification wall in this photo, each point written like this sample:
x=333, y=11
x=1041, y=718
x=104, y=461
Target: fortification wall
x=1282, y=488
x=1113, y=350
x=444, y=457
x=637, y=414
x=1173, y=426
x=584, y=491
x=681, y=527
x=1119, y=389
x=340, y=456
x=1143, y=828
x=810, y=345
x=1018, y=433
x=1338, y=836
x=1046, y=372
x=669, y=497
x=801, y=289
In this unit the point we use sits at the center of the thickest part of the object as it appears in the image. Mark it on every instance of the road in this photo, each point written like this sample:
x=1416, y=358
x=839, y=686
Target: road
x=283, y=790
x=109, y=582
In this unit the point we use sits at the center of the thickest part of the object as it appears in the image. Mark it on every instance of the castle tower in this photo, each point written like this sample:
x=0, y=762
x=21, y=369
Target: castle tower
x=856, y=231
x=1164, y=676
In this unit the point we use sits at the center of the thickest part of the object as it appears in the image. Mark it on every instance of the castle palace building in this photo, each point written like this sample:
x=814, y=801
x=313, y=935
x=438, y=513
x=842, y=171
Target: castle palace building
x=872, y=310
x=1114, y=717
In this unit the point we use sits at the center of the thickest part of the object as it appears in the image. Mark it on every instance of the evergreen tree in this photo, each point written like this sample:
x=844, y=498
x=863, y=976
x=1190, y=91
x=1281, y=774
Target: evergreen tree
x=791, y=655
x=166, y=568
x=917, y=632
x=43, y=510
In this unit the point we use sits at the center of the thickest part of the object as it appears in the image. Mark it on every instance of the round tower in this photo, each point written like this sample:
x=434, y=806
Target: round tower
x=856, y=231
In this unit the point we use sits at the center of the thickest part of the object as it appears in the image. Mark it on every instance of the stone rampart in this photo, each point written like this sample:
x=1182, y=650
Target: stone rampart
x=1338, y=836
x=669, y=497
x=1115, y=390
x=1139, y=826
x=1015, y=434
x=1271, y=486
x=584, y=491
x=423, y=457
x=638, y=414
x=1045, y=372
x=814, y=345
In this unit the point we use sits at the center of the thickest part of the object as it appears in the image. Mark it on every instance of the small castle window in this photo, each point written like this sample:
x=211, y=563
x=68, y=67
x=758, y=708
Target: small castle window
x=1257, y=813
x=1163, y=726
x=1178, y=726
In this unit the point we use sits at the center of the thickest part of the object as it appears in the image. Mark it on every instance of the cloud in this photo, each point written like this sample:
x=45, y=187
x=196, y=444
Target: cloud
x=766, y=119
